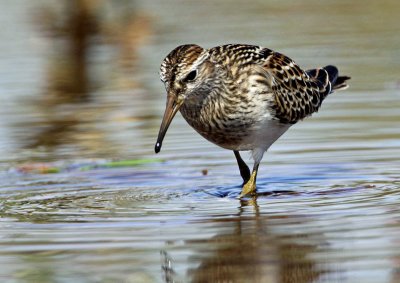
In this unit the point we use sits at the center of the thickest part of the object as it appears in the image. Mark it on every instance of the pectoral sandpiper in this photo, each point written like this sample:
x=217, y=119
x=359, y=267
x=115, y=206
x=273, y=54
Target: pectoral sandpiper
x=242, y=97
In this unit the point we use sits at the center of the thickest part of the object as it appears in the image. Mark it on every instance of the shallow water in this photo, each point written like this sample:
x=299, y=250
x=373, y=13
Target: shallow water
x=328, y=209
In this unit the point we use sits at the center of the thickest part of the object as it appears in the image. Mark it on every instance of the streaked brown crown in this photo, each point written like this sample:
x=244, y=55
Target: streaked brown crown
x=179, y=60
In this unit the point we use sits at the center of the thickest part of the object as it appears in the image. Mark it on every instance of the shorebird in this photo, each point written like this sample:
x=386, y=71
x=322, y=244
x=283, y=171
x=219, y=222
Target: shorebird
x=241, y=97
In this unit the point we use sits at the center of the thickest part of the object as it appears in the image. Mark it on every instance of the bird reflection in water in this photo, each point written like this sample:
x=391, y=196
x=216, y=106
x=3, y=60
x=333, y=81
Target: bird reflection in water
x=257, y=249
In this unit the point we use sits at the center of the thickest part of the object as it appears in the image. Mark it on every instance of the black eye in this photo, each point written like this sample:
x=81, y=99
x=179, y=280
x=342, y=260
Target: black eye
x=191, y=76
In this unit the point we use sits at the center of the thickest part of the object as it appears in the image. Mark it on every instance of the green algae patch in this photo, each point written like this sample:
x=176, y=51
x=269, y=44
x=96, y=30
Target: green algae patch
x=58, y=167
x=130, y=163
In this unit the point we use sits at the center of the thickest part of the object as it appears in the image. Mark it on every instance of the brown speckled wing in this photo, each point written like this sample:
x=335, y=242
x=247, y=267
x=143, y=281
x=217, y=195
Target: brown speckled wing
x=297, y=94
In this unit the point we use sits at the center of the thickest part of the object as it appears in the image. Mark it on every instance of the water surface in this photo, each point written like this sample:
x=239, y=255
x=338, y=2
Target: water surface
x=328, y=209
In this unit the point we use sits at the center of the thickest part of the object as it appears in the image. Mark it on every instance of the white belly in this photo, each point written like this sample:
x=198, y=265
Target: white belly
x=263, y=135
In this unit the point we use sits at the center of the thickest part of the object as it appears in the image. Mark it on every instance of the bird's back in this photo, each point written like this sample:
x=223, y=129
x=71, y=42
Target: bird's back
x=255, y=90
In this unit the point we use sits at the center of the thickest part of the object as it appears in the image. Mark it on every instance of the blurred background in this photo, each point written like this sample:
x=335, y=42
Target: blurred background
x=80, y=78
x=79, y=85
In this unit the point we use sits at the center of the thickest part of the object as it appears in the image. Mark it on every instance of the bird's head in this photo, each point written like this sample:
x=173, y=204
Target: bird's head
x=184, y=72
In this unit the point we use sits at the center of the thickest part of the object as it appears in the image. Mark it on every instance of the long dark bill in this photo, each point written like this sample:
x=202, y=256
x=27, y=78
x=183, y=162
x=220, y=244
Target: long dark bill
x=170, y=111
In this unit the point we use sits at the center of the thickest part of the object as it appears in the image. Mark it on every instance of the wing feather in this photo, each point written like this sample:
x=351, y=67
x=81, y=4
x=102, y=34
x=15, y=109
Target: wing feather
x=296, y=94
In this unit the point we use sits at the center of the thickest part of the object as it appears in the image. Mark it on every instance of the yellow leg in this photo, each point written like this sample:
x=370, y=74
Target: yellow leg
x=250, y=187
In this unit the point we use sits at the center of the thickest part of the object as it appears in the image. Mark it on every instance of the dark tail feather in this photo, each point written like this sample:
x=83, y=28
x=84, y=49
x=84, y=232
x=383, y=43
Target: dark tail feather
x=328, y=79
x=338, y=82
x=341, y=83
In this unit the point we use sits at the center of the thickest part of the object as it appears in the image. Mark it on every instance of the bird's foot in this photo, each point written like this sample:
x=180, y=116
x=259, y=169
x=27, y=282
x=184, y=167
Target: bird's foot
x=249, y=189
